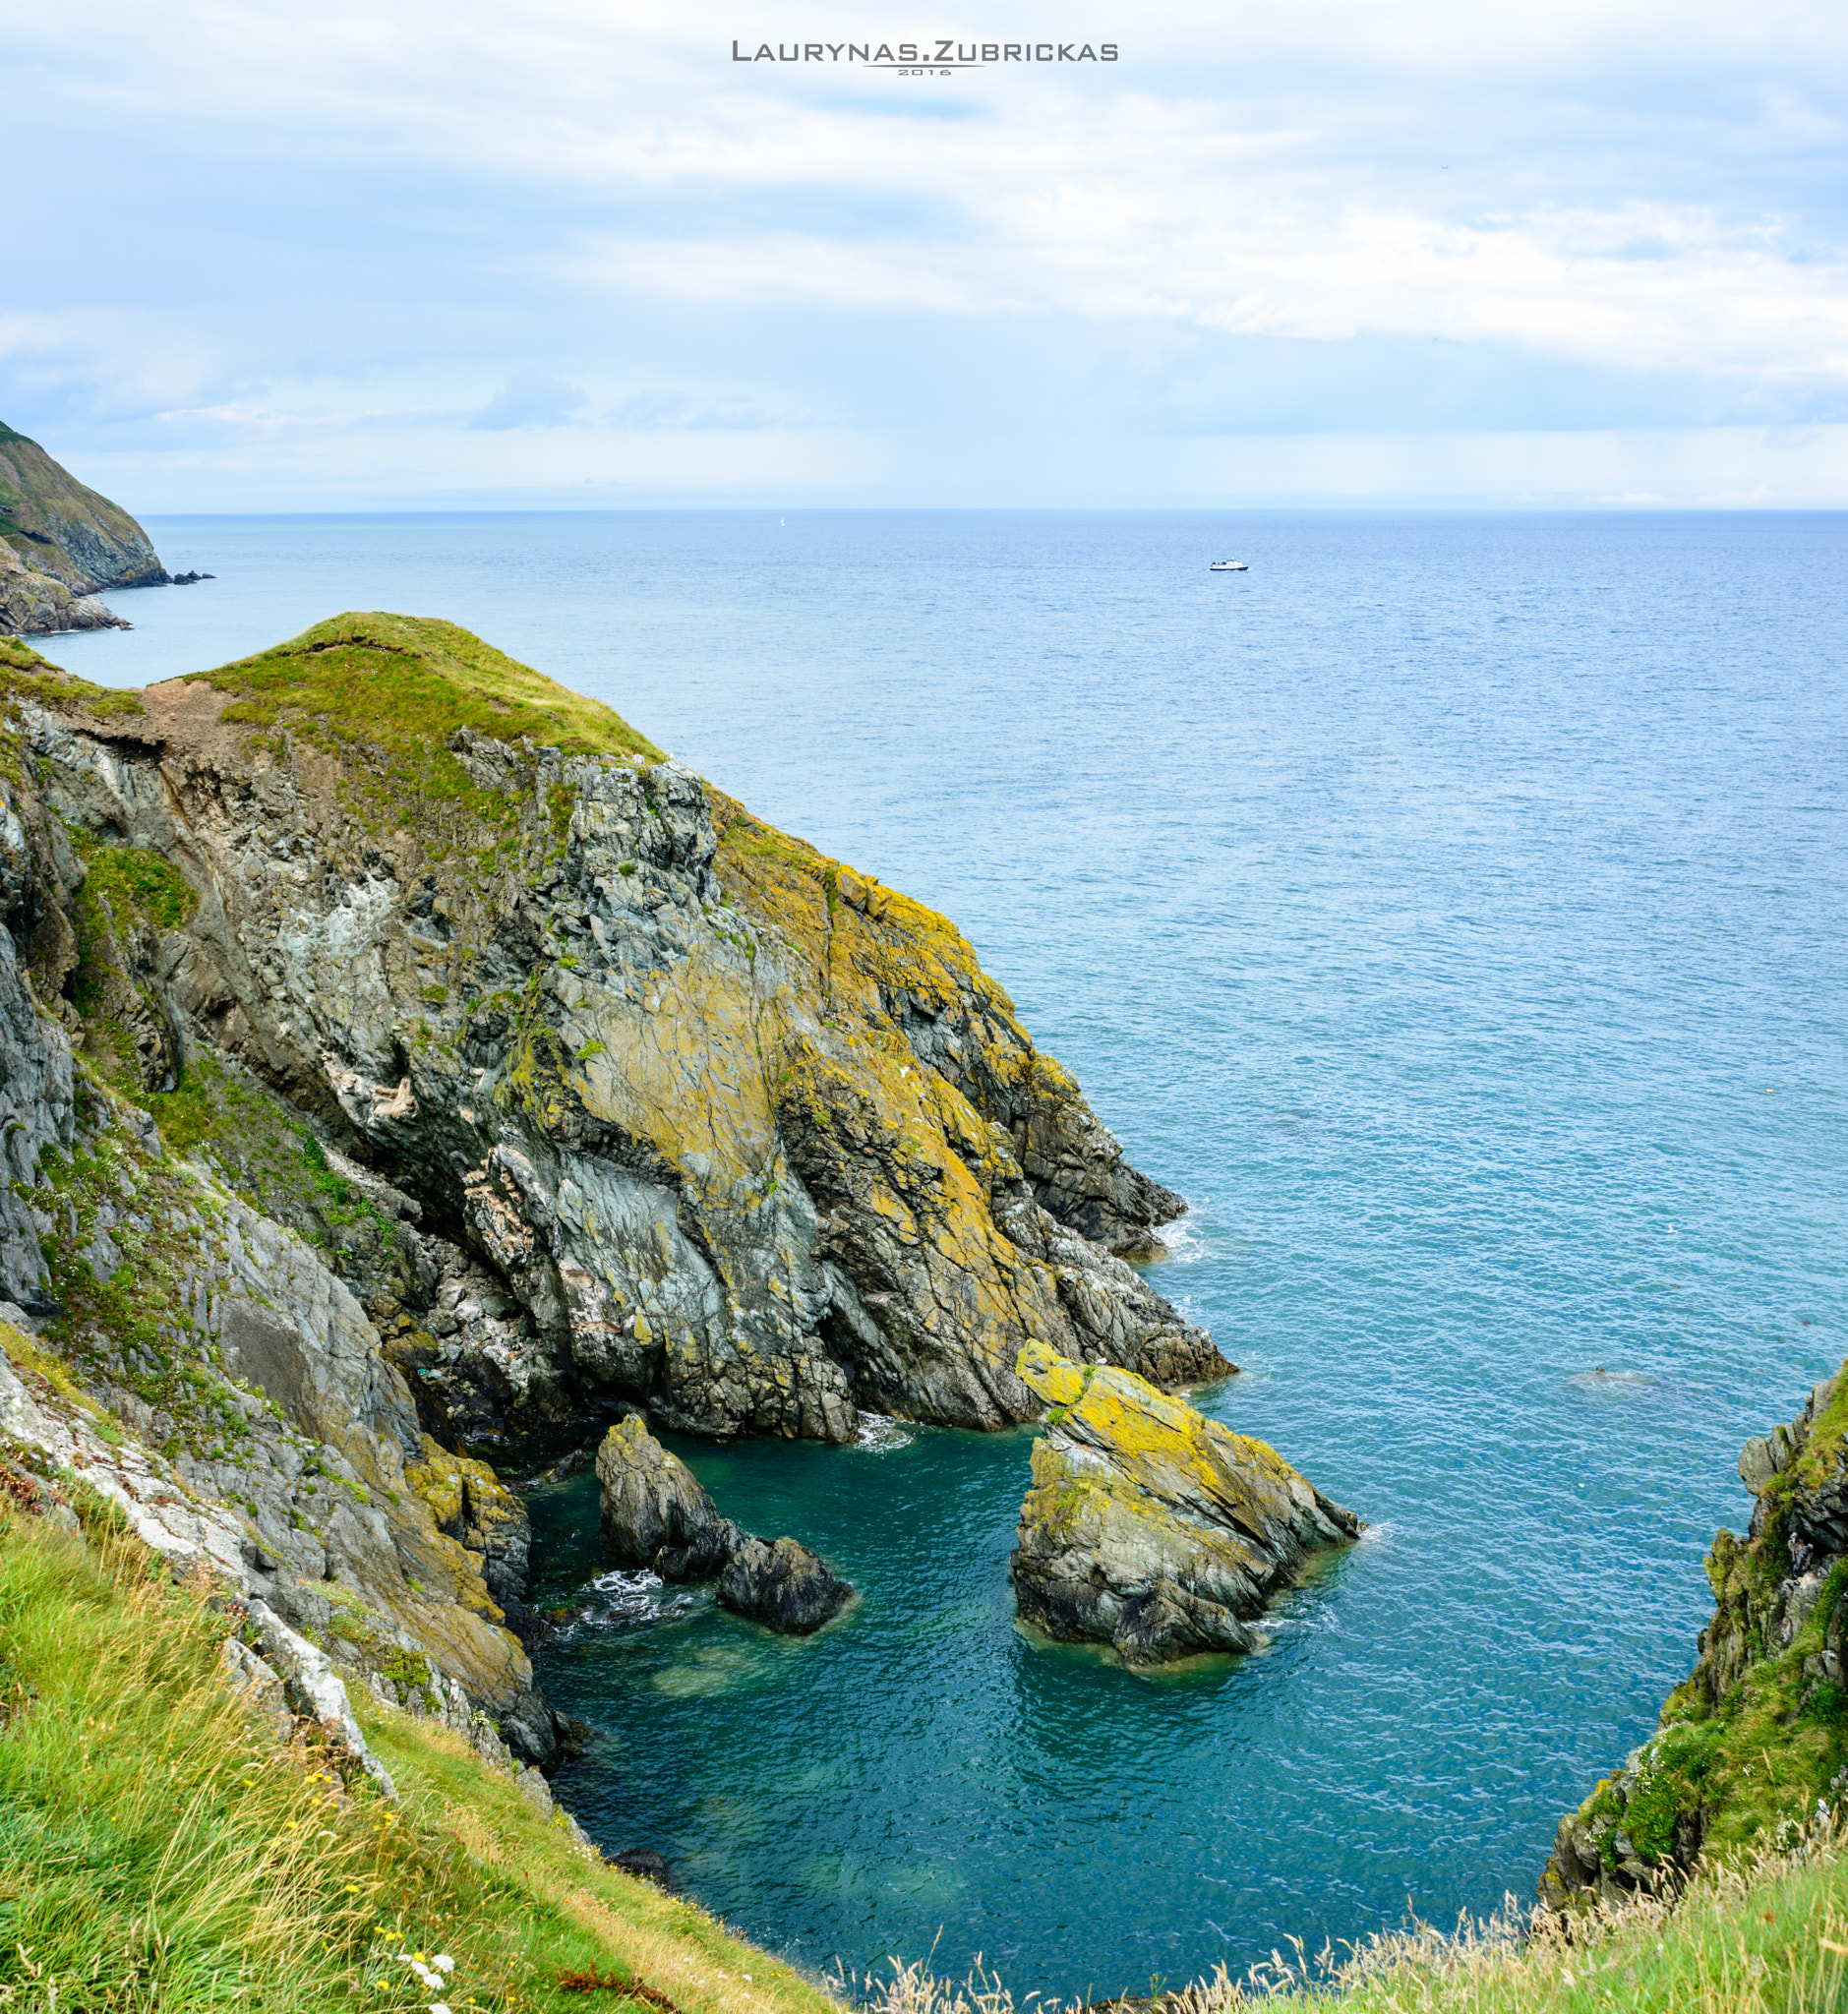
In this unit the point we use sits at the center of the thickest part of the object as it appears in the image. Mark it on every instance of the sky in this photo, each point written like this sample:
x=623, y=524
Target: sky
x=1328, y=252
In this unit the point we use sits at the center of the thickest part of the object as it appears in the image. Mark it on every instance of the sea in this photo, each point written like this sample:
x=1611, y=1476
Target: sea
x=1455, y=909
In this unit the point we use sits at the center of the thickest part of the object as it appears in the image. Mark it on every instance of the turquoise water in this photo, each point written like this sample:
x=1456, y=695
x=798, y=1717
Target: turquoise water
x=1436, y=905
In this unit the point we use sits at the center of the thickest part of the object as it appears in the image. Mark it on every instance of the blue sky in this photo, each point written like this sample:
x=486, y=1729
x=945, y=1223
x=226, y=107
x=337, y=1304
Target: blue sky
x=465, y=256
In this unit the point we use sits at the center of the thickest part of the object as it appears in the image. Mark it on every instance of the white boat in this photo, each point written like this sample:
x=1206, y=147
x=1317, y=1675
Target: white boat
x=1229, y=566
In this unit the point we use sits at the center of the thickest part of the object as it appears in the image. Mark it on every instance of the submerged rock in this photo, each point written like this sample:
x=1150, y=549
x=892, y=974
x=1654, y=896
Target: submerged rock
x=656, y=1515
x=1151, y=1528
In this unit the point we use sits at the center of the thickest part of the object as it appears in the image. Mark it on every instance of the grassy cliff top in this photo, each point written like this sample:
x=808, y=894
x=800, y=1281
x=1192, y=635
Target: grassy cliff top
x=31, y=677
x=402, y=684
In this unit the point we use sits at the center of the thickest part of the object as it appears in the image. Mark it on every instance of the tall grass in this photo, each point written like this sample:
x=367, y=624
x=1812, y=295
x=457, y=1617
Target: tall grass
x=158, y=1850
x=1768, y=1937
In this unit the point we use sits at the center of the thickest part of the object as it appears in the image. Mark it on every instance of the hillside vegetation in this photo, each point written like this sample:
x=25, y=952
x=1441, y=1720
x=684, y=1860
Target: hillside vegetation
x=161, y=1847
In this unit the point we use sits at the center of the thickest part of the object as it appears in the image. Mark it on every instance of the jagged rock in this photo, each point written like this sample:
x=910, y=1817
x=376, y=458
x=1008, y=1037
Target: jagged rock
x=648, y=1498
x=1152, y=1528
x=742, y=1137
x=312, y=1688
x=646, y=1865
x=472, y=1505
x=258, y=1688
x=782, y=1585
x=657, y=1516
x=533, y=1786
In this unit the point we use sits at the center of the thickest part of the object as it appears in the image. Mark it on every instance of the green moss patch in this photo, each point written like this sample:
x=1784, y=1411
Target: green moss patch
x=397, y=688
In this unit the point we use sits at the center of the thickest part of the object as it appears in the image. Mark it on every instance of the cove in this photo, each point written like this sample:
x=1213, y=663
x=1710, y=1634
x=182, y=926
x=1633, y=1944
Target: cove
x=1451, y=912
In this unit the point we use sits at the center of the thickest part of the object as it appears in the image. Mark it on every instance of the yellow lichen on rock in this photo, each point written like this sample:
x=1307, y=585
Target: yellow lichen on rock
x=1151, y=1528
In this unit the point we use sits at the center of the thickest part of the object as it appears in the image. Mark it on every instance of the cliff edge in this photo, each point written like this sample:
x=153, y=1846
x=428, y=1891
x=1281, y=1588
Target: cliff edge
x=398, y=1051
x=726, y=1130
x=1752, y=1747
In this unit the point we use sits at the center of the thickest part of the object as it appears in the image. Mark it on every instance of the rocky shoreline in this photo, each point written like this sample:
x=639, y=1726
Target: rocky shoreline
x=370, y=1109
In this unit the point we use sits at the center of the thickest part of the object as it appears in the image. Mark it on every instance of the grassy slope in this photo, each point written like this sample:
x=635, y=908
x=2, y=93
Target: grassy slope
x=399, y=686
x=157, y=1849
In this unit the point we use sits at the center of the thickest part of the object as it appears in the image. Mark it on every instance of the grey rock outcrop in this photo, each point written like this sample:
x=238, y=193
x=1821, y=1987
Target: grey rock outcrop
x=655, y=1516
x=1152, y=1528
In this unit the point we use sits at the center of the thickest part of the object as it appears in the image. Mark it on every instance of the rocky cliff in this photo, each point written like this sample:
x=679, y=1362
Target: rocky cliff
x=60, y=545
x=1152, y=1528
x=1752, y=1747
x=726, y=1130
x=398, y=1051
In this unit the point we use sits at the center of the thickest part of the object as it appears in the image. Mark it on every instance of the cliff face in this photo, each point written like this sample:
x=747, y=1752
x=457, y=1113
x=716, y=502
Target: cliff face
x=1752, y=1747
x=60, y=545
x=397, y=1049
x=735, y=1133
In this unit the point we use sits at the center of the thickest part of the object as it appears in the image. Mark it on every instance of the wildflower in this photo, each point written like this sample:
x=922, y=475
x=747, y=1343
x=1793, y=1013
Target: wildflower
x=437, y=2007
x=444, y=1962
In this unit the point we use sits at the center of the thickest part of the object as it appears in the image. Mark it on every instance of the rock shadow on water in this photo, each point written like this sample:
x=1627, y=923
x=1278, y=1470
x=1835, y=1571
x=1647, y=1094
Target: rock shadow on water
x=1202, y=1668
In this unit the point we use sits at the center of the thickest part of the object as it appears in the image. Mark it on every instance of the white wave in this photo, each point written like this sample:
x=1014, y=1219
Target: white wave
x=623, y=1598
x=879, y=1435
x=1181, y=1241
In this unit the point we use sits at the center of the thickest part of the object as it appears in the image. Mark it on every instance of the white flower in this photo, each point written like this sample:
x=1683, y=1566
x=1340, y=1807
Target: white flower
x=444, y=1962
x=437, y=2007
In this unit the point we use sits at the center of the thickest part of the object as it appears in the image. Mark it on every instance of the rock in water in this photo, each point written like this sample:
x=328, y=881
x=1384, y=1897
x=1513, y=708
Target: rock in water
x=656, y=1515
x=650, y=1502
x=1151, y=1528
x=784, y=1586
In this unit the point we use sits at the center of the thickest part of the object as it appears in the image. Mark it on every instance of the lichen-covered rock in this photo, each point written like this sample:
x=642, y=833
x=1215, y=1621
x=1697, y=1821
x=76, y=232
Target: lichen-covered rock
x=655, y=1516
x=1151, y=1528
x=648, y=1500
x=1751, y=1750
x=737, y=1135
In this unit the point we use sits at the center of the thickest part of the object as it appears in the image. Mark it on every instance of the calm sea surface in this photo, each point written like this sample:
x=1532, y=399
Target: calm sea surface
x=1457, y=911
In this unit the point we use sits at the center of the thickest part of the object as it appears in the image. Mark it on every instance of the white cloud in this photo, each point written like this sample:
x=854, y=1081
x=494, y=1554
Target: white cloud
x=530, y=399
x=573, y=220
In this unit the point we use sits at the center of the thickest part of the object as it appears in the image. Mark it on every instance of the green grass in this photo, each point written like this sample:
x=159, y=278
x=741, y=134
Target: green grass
x=142, y=887
x=159, y=1851
x=399, y=686
x=23, y=672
